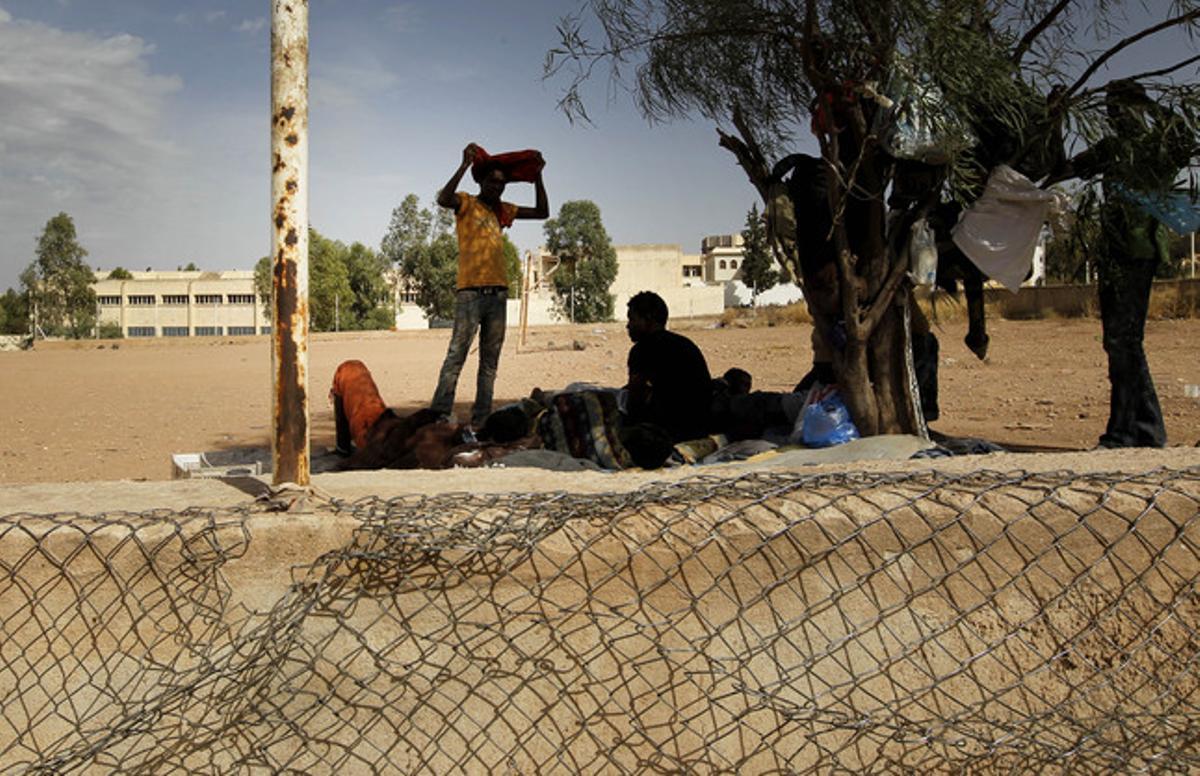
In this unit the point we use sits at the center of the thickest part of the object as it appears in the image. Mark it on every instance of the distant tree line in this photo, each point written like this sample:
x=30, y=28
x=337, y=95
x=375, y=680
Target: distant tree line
x=350, y=286
x=347, y=285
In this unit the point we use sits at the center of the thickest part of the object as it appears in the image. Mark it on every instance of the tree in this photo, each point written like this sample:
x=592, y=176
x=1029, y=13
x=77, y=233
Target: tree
x=60, y=283
x=263, y=284
x=365, y=270
x=120, y=273
x=14, y=313
x=997, y=82
x=328, y=283
x=758, y=267
x=421, y=245
x=346, y=285
x=512, y=268
x=587, y=262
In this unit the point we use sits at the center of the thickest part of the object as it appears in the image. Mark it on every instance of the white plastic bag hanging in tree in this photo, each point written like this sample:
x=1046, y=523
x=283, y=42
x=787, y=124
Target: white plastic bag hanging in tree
x=922, y=254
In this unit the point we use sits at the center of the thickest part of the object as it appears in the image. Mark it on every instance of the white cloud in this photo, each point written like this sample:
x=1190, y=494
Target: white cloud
x=82, y=125
x=5, y=16
x=214, y=16
x=251, y=25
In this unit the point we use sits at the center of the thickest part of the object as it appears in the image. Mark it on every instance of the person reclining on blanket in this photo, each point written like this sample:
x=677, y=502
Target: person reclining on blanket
x=374, y=436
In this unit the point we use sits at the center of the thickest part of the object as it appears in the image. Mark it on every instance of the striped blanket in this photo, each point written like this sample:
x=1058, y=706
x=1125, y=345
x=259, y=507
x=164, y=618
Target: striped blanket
x=585, y=424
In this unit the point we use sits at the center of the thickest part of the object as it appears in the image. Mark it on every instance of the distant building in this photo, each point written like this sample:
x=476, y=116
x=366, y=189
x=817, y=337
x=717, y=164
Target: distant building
x=199, y=304
x=722, y=256
x=661, y=268
x=183, y=304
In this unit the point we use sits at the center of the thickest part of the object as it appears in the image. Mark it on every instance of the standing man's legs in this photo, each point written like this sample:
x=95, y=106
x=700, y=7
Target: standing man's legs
x=493, y=320
x=466, y=320
x=1135, y=418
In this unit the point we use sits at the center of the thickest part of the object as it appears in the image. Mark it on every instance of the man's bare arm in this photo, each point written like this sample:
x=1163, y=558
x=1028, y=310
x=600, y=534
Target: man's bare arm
x=540, y=210
x=448, y=197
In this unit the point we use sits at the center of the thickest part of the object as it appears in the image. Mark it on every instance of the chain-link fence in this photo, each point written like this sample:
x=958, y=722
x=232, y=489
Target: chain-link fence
x=767, y=624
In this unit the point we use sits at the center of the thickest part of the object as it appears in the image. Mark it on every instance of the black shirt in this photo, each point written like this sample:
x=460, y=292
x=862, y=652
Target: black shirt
x=679, y=381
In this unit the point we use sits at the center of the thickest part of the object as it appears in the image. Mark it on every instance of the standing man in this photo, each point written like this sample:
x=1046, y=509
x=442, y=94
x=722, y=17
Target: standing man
x=669, y=382
x=1147, y=146
x=481, y=301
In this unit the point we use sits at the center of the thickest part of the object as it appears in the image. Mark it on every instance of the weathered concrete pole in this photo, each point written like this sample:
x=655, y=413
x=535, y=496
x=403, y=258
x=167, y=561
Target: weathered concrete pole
x=289, y=241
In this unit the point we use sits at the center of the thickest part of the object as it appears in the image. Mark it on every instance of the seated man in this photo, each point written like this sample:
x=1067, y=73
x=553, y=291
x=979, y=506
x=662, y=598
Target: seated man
x=669, y=382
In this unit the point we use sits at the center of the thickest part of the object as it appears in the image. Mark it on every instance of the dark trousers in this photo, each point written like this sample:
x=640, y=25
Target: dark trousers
x=1134, y=417
x=487, y=312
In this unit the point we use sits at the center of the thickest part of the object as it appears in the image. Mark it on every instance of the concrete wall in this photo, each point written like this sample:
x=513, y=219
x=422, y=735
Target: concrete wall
x=1073, y=301
x=738, y=294
x=649, y=267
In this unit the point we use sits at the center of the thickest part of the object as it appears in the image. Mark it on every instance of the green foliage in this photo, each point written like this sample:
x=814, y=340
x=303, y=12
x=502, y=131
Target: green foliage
x=191, y=267
x=1180, y=264
x=14, y=313
x=110, y=330
x=758, y=267
x=1068, y=253
x=120, y=273
x=365, y=269
x=263, y=285
x=60, y=283
x=422, y=246
x=587, y=262
x=328, y=282
x=512, y=268
x=347, y=288
x=1019, y=73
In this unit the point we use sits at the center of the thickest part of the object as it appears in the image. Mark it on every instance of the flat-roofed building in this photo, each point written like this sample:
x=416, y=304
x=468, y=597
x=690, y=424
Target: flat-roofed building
x=183, y=304
x=722, y=256
x=659, y=267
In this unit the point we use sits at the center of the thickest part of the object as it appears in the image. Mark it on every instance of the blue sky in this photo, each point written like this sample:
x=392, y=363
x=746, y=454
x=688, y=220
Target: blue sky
x=147, y=121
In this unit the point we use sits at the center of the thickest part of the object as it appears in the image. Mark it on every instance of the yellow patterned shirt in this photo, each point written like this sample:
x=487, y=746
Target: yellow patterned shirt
x=480, y=243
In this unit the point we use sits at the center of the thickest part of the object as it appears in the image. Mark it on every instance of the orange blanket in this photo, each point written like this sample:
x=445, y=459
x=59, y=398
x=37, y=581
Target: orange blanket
x=360, y=400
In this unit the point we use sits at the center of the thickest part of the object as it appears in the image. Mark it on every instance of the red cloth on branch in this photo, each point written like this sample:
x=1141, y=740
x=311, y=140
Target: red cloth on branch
x=518, y=166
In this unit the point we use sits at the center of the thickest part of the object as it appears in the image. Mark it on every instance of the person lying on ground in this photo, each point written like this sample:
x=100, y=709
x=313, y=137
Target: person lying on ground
x=373, y=436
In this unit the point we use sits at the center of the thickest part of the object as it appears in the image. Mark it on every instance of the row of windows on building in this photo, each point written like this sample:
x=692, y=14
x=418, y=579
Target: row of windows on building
x=149, y=300
x=199, y=331
x=695, y=272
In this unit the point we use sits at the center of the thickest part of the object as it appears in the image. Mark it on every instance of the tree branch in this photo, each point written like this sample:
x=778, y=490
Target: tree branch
x=749, y=156
x=1190, y=16
x=1139, y=77
x=1028, y=39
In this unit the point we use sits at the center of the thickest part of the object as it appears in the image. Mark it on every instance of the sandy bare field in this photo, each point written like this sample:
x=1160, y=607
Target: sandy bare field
x=118, y=410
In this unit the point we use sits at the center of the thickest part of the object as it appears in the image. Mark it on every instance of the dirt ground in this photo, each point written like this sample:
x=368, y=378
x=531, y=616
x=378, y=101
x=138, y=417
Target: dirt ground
x=118, y=410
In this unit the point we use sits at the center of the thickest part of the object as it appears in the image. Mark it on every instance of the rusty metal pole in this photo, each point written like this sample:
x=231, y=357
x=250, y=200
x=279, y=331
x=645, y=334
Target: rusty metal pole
x=289, y=241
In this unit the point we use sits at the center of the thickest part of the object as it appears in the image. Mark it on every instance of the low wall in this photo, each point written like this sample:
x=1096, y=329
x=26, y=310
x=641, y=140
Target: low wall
x=1072, y=301
x=768, y=623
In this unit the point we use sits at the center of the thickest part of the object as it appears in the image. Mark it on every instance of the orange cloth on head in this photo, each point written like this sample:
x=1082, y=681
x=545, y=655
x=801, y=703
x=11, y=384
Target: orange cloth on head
x=518, y=166
x=480, y=242
x=361, y=401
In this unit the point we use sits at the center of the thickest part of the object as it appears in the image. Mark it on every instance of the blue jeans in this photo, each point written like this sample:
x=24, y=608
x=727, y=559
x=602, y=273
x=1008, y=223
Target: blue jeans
x=473, y=309
x=1134, y=416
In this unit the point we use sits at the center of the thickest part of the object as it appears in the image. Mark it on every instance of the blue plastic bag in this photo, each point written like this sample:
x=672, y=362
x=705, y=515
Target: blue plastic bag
x=827, y=423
